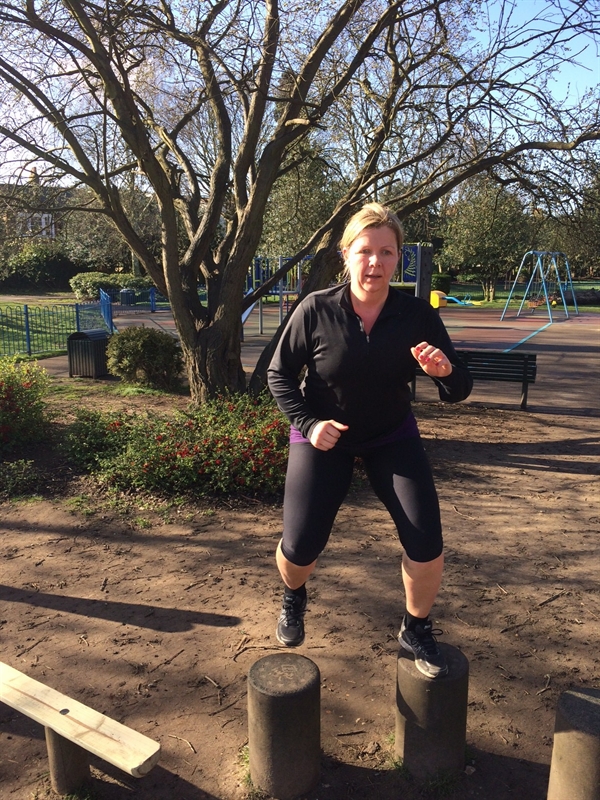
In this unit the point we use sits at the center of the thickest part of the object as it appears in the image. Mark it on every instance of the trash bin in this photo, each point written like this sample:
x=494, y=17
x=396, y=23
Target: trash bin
x=127, y=297
x=86, y=352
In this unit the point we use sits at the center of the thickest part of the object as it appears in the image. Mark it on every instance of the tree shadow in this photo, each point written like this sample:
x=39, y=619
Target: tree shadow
x=539, y=455
x=374, y=778
x=158, y=618
x=160, y=784
x=109, y=783
x=491, y=775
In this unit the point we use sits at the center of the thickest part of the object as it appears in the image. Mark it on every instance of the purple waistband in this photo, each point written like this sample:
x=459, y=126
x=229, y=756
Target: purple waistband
x=407, y=430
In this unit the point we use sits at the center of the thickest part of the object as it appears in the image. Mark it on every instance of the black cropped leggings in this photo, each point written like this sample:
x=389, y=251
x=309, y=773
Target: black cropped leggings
x=317, y=482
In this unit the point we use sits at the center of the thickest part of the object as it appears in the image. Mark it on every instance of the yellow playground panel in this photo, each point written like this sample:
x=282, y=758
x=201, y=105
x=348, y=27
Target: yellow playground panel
x=438, y=299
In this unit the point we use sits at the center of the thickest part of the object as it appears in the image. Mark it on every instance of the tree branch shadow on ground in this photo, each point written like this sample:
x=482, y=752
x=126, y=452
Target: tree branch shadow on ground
x=159, y=618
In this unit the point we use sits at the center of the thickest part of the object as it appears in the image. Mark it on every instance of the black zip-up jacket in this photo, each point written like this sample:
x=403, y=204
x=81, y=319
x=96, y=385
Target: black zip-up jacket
x=361, y=381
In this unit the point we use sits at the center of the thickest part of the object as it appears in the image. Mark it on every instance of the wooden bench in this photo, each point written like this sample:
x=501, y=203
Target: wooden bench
x=493, y=365
x=73, y=730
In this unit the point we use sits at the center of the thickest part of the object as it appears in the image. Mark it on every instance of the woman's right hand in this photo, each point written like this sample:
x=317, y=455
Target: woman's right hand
x=325, y=434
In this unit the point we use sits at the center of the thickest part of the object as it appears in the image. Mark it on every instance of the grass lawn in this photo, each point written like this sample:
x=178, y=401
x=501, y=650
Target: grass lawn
x=35, y=299
x=51, y=319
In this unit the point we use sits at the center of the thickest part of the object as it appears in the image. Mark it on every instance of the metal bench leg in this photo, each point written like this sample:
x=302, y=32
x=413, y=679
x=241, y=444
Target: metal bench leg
x=524, y=389
x=69, y=764
x=525, y=386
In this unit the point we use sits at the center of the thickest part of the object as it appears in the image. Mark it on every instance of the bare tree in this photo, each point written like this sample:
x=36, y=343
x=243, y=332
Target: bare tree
x=207, y=103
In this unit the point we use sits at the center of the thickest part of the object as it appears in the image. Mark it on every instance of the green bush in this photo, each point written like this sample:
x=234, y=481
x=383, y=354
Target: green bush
x=87, y=285
x=96, y=437
x=146, y=357
x=227, y=446
x=135, y=282
x=40, y=265
x=22, y=410
x=18, y=478
x=442, y=282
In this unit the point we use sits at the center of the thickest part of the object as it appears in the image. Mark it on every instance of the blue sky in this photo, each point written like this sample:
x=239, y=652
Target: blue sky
x=574, y=79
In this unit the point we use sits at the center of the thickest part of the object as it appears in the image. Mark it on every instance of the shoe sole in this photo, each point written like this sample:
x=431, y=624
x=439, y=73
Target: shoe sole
x=439, y=674
x=288, y=644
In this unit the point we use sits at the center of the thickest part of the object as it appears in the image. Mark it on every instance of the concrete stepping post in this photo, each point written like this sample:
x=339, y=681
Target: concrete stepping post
x=431, y=716
x=575, y=765
x=284, y=730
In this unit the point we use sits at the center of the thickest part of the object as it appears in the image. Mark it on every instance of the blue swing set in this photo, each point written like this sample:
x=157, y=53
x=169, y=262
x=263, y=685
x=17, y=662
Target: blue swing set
x=545, y=285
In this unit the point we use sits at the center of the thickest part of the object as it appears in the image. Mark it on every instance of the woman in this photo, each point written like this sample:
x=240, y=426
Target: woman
x=359, y=343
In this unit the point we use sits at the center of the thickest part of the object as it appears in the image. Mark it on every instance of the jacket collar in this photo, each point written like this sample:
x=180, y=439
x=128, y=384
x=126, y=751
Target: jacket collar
x=393, y=303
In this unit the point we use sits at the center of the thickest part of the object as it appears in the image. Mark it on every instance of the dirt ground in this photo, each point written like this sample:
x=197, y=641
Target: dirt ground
x=153, y=613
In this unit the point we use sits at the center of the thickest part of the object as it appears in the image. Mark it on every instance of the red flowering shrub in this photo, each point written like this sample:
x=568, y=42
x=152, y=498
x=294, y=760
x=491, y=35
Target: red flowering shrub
x=229, y=446
x=22, y=388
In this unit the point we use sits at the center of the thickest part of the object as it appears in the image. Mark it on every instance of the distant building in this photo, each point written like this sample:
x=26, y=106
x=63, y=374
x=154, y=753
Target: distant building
x=34, y=225
x=23, y=215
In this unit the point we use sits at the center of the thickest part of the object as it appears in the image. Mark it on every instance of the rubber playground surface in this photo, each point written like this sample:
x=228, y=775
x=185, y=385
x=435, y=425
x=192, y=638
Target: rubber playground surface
x=568, y=356
x=568, y=352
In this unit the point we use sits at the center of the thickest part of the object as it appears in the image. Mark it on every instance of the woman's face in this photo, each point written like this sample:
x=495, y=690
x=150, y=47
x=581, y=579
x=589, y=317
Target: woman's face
x=371, y=260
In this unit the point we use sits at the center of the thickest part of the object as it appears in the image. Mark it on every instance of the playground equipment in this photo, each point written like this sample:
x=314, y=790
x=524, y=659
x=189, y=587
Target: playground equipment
x=545, y=285
x=440, y=299
x=575, y=766
x=284, y=725
x=466, y=301
x=431, y=716
x=413, y=274
x=284, y=736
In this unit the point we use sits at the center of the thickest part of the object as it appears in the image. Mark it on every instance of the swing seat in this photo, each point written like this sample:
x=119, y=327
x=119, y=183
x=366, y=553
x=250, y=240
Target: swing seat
x=535, y=303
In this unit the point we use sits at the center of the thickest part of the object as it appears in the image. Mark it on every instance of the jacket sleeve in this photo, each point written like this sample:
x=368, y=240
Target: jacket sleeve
x=283, y=375
x=458, y=385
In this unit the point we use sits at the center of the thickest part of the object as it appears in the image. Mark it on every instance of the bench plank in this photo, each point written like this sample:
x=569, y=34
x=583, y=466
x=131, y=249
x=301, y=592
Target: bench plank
x=507, y=366
x=515, y=367
x=492, y=365
x=106, y=738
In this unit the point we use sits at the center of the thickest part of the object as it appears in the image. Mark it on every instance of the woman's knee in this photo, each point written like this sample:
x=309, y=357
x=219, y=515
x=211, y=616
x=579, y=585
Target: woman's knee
x=423, y=548
x=301, y=551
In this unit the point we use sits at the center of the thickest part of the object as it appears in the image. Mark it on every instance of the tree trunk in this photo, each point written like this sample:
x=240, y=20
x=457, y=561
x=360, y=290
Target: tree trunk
x=213, y=361
x=488, y=284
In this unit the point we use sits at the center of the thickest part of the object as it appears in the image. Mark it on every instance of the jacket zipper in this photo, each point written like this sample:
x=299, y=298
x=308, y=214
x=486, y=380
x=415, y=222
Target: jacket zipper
x=362, y=327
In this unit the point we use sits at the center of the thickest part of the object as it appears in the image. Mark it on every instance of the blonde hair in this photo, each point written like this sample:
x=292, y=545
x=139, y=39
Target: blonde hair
x=372, y=215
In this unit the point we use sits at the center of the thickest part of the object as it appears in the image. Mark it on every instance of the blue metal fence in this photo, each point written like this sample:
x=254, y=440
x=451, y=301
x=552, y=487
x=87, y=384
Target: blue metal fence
x=31, y=330
x=107, y=311
x=125, y=301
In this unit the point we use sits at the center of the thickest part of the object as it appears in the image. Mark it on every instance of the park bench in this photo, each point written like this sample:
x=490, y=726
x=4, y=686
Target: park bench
x=73, y=730
x=493, y=365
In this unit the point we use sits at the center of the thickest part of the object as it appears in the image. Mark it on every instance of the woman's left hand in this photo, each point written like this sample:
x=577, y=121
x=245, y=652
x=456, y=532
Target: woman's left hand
x=432, y=360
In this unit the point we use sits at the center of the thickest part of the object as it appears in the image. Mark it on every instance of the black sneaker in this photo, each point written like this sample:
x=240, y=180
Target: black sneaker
x=421, y=642
x=290, y=628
